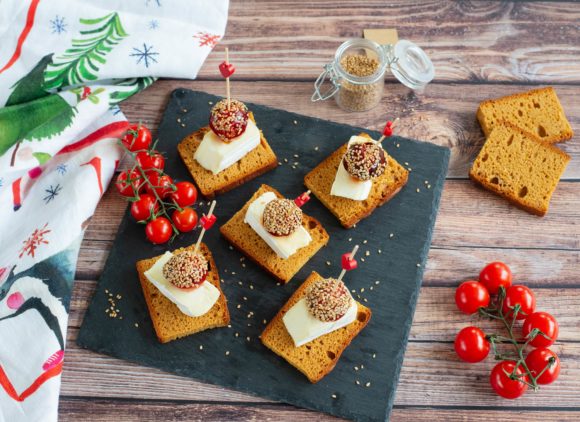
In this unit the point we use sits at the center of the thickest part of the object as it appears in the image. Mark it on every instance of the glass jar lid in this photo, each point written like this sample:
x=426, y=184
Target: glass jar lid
x=412, y=66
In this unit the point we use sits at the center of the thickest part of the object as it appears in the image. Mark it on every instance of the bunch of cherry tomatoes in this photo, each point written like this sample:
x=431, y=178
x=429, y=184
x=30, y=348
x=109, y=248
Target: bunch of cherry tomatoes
x=495, y=297
x=156, y=201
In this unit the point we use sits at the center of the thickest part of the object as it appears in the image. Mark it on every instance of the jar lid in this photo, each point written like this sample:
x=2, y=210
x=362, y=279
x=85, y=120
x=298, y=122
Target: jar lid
x=413, y=67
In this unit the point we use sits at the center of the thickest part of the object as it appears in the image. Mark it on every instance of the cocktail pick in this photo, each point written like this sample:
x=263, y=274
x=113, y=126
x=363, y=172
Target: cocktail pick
x=227, y=69
x=388, y=130
x=206, y=222
x=348, y=262
x=302, y=199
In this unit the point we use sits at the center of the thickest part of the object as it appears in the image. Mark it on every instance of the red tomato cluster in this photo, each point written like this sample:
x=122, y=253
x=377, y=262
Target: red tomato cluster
x=152, y=193
x=494, y=295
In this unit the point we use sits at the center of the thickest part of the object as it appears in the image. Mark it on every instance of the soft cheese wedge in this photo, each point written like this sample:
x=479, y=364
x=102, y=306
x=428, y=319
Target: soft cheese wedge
x=284, y=246
x=215, y=155
x=347, y=186
x=303, y=327
x=193, y=303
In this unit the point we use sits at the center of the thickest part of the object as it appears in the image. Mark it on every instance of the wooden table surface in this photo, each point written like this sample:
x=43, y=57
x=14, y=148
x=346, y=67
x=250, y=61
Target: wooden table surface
x=480, y=50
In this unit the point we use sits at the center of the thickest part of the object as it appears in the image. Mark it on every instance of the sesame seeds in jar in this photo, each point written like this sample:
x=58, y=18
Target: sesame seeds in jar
x=355, y=96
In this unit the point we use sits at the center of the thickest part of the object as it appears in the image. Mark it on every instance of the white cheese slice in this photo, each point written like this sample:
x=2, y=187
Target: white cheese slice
x=304, y=327
x=284, y=246
x=347, y=186
x=193, y=303
x=215, y=155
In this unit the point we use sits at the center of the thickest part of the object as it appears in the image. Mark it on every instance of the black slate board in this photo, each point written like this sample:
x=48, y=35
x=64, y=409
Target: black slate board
x=250, y=367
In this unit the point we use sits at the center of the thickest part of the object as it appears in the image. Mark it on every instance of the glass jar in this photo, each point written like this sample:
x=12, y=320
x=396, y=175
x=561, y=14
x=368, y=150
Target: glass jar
x=408, y=63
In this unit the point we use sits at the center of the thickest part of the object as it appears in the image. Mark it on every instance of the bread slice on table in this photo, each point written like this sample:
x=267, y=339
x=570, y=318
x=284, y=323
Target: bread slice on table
x=537, y=112
x=318, y=357
x=350, y=211
x=257, y=162
x=245, y=239
x=520, y=167
x=169, y=322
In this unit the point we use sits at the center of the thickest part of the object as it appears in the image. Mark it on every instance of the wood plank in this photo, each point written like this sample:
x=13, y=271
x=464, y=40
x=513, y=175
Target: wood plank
x=471, y=41
x=431, y=375
x=74, y=409
x=465, y=217
x=443, y=114
x=436, y=316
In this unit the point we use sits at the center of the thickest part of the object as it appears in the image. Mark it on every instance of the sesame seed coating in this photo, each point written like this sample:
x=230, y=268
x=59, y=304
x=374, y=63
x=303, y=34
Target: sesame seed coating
x=281, y=217
x=228, y=123
x=186, y=270
x=365, y=161
x=328, y=299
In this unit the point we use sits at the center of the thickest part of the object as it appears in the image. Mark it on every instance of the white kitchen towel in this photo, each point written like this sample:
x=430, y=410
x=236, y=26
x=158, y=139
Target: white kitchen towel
x=64, y=67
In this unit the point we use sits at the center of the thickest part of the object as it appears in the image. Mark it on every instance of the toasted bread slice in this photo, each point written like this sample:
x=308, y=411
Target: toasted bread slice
x=537, y=112
x=318, y=357
x=349, y=211
x=520, y=167
x=257, y=162
x=169, y=322
x=245, y=239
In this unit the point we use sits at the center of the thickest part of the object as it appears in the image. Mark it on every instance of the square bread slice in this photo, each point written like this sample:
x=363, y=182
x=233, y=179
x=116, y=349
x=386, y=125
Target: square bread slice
x=349, y=211
x=245, y=239
x=257, y=162
x=317, y=358
x=520, y=167
x=537, y=112
x=169, y=322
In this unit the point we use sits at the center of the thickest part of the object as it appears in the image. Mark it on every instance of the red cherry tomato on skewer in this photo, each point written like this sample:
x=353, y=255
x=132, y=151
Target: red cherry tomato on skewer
x=470, y=296
x=495, y=275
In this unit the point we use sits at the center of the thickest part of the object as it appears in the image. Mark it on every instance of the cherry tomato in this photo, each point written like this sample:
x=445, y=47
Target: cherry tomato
x=185, y=194
x=158, y=230
x=150, y=160
x=544, y=322
x=538, y=359
x=162, y=184
x=128, y=183
x=521, y=295
x=184, y=220
x=471, y=345
x=470, y=296
x=138, y=137
x=495, y=275
x=503, y=384
x=144, y=207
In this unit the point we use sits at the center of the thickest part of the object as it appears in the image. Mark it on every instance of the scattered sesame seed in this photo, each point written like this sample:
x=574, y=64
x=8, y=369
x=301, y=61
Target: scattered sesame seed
x=333, y=396
x=295, y=122
x=368, y=253
x=371, y=288
x=418, y=190
x=350, y=239
x=233, y=273
x=410, y=169
x=428, y=186
x=374, y=355
x=279, y=163
x=240, y=283
x=391, y=235
x=353, y=290
x=364, y=241
x=365, y=299
x=251, y=287
x=328, y=263
x=227, y=352
x=184, y=110
x=245, y=298
x=239, y=306
x=210, y=102
x=380, y=251
x=293, y=167
x=362, y=290
x=406, y=163
x=118, y=296
x=315, y=148
x=296, y=156
x=398, y=145
x=201, y=347
x=231, y=248
x=368, y=384
x=178, y=120
x=356, y=368
x=377, y=282
x=183, y=125
x=229, y=325
x=248, y=338
x=357, y=382
x=362, y=367
x=362, y=260
x=285, y=160
x=237, y=334
x=106, y=290
x=264, y=322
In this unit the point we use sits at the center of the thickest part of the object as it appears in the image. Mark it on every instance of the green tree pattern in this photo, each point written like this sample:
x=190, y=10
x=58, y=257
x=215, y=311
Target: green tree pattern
x=81, y=62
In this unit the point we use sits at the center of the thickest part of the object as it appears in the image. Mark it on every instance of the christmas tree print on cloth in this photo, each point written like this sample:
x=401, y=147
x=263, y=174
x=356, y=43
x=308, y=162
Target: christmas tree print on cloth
x=81, y=62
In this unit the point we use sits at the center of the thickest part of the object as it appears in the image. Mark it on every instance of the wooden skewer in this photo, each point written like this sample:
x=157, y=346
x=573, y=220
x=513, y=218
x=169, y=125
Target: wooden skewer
x=228, y=78
x=211, y=208
x=352, y=254
x=381, y=139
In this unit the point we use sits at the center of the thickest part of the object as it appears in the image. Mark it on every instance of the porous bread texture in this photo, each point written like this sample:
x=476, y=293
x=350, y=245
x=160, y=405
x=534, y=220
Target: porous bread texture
x=350, y=211
x=245, y=239
x=537, y=112
x=257, y=162
x=168, y=321
x=520, y=167
x=318, y=357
